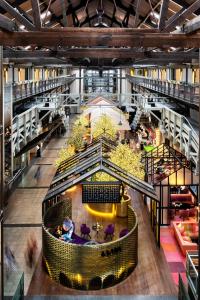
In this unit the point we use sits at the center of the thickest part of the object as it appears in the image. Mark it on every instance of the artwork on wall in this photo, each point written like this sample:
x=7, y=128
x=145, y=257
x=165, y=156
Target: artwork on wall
x=95, y=192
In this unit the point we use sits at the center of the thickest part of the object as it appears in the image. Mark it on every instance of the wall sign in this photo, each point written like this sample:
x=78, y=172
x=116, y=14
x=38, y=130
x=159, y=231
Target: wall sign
x=98, y=192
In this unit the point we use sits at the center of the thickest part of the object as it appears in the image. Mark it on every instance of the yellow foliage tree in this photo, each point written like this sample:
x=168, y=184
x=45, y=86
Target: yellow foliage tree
x=64, y=154
x=127, y=160
x=104, y=125
x=82, y=121
x=75, y=141
x=76, y=138
x=124, y=157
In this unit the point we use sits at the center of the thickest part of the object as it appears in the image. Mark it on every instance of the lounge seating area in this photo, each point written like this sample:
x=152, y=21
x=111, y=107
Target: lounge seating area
x=85, y=234
x=186, y=234
x=182, y=205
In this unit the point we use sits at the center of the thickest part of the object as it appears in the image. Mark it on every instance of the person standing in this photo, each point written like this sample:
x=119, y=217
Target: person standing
x=38, y=151
x=10, y=262
x=31, y=250
x=37, y=173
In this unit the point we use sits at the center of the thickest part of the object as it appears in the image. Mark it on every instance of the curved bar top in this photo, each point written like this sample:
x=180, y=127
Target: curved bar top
x=88, y=267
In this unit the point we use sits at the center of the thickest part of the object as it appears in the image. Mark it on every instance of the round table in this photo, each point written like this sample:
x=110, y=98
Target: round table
x=97, y=227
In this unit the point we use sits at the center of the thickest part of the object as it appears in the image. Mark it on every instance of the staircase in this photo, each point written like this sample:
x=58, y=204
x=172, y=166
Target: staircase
x=136, y=118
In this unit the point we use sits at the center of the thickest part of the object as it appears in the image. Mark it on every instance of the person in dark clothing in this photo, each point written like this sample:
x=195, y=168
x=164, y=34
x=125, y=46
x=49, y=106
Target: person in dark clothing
x=38, y=152
x=37, y=174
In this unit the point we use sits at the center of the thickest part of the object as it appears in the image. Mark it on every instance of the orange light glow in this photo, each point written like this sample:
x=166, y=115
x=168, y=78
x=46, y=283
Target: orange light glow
x=72, y=189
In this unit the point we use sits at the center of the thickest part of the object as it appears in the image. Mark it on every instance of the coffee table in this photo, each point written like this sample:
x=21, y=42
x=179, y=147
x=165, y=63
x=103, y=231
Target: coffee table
x=97, y=227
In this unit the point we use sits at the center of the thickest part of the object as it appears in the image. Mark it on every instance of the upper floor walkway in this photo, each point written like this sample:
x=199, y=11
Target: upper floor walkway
x=22, y=90
x=185, y=92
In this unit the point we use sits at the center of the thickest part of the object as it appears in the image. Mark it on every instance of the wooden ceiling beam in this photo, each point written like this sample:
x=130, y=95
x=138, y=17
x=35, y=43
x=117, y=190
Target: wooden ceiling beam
x=36, y=14
x=182, y=15
x=7, y=24
x=163, y=14
x=192, y=25
x=95, y=61
x=148, y=14
x=97, y=52
x=7, y=7
x=137, y=13
x=107, y=37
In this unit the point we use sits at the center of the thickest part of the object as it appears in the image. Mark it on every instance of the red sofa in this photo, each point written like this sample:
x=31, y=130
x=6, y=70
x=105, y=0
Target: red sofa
x=183, y=232
x=185, y=198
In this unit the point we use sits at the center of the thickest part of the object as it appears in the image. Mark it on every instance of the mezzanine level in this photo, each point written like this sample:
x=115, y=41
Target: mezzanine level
x=188, y=93
x=28, y=88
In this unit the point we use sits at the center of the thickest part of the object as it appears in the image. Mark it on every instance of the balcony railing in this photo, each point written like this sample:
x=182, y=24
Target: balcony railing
x=182, y=290
x=14, y=286
x=185, y=92
x=30, y=88
x=192, y=271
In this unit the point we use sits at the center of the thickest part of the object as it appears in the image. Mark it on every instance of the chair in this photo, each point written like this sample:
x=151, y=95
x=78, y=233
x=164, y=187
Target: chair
x=192, y=212
x=184, y=214
x=109, y=231
x=123, y=232
x=85, y=231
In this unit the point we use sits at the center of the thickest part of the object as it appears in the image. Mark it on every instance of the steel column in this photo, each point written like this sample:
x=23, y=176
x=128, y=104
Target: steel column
x=198, y=279
x=2, y=159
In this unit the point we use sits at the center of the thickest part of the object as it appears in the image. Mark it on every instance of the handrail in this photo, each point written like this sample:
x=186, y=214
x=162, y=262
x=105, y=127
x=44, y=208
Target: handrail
x=184, y=92
x=182, y=291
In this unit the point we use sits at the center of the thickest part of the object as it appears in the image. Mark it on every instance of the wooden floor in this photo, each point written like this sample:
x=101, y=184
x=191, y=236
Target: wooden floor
x=151, y=276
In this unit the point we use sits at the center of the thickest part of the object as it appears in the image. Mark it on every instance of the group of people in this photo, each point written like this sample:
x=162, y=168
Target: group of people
x=31, y=251
x=29, y=254
x=65, y=231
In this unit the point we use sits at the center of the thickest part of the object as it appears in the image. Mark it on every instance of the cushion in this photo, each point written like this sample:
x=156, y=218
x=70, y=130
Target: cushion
x=187, y=226
x=186, y=233
x=195, y=228
x=181, y=197
x=186, y=238
x=194, y=235
x=181, y=230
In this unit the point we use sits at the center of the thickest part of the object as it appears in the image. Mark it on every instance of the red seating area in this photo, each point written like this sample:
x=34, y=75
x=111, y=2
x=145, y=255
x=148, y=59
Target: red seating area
x=185, y=232
x=185, y=198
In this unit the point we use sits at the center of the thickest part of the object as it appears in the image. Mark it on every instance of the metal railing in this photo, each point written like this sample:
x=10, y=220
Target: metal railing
x=179, y=128
x=183, y=91
x=14, y=286
x=192, y=271
x=172, y=124
x=28, y=88
x=182, y=291
x=77, y=99
x=24, y=127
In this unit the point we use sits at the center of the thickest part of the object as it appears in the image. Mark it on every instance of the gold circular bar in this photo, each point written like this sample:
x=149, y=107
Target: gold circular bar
x=122, y=207
x=75, y=265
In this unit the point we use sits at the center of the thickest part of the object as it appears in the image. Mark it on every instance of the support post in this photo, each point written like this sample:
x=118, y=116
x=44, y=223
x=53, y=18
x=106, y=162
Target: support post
x=2, y=162
x=198, y=279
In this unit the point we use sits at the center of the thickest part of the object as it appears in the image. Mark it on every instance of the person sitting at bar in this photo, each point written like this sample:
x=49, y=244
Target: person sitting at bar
x=67, y=230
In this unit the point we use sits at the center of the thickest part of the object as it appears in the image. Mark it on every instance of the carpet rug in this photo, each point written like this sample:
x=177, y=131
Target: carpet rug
x=176, y=260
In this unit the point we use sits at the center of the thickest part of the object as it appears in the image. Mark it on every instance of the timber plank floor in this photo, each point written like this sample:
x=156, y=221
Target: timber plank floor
x=23, y=214
x=151, y=276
